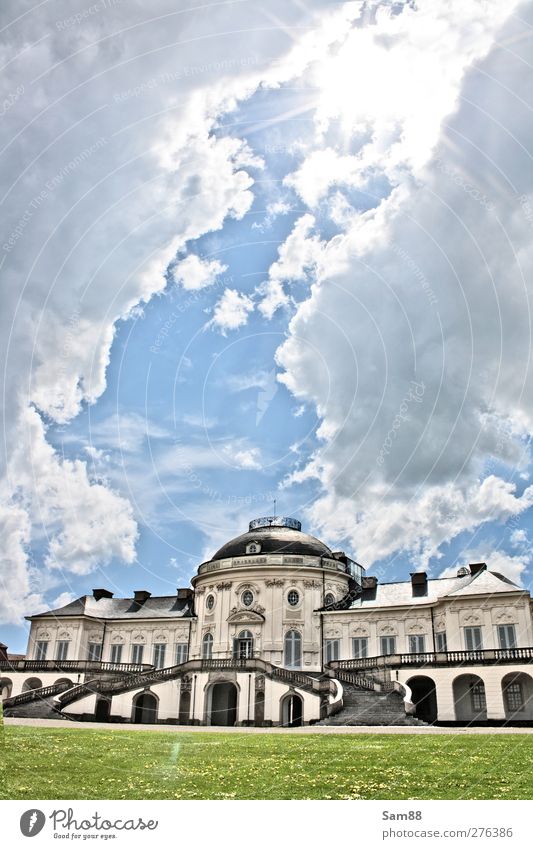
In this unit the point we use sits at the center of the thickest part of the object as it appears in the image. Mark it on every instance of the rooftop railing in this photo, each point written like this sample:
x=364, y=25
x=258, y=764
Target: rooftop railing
x=444, y=658
x=71, y=666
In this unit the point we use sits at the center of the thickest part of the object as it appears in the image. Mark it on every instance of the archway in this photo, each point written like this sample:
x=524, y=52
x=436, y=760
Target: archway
x=64, y=681
x=6, y=688
x=291, y=711
x=223, y=699
x=517, y=690
x=424, y=697
x=145, y=708
x=469, y=699
x=32, y=684
x=102, y=710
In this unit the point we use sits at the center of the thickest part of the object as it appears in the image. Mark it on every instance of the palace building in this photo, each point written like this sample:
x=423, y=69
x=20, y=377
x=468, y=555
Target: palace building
x=279, y=630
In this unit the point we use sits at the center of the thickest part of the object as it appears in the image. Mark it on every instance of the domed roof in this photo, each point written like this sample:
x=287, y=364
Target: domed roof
x=274, y=535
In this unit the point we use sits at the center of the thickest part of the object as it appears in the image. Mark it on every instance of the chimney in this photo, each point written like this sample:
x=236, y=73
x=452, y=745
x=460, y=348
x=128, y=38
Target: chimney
x=140, y=596
x=419, y=584
x=184, y=592
x=476, y=568
x=98, y=594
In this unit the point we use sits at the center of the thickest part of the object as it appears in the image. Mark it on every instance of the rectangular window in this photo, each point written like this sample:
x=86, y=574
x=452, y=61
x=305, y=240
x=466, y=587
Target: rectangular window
x=159, y=655
x=182, y=652
x=507, y=636
x=137, y=653
x=331, y=650
x=94, y=651
x=41, y=650
x=473, y=640
x=514, y=697
x=360, y=647
x=388, y=645
x=441, y=643
x=116, y=654
x=477, y=693
x=61, y=650
x=417, y=643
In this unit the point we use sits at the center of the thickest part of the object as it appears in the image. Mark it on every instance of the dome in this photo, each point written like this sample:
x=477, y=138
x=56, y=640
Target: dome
x=274, y=535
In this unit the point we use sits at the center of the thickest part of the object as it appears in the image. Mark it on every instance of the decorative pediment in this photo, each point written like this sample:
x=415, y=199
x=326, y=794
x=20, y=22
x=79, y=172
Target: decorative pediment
x=241, y=616
x=415, y=626
x=360, y=630
x=471, y=617
x=505, y=616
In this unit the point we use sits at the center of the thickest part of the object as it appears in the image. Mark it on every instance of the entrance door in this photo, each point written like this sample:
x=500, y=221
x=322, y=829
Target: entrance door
x=145, y=709
x=223, y=704
x=292, y=711
x=101, y=713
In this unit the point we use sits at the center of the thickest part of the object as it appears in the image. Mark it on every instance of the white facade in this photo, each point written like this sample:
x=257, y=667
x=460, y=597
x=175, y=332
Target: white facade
x=280, y=630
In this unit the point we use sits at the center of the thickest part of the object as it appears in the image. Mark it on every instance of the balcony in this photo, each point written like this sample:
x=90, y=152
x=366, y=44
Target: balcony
x=438, y=659
x=71, y=666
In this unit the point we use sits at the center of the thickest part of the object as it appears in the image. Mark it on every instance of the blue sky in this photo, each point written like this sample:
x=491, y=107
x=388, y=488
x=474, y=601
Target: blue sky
x=294, y=267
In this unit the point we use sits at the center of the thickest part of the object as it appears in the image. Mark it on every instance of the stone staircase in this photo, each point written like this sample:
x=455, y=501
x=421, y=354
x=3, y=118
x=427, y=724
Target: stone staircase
x=40, y=708
x=370, y=707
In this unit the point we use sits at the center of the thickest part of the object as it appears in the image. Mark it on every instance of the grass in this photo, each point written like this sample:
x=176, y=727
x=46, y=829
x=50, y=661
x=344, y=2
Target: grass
x=63, y=763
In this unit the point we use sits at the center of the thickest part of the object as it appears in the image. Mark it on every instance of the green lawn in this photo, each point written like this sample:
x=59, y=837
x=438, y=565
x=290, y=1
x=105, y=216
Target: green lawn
x=63, y=763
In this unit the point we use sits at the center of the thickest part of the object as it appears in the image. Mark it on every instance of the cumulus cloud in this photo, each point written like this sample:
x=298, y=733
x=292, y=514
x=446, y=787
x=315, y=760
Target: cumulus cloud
x=196, y=273
x=111, y=167
x=426, y=289
x=231, y=311
x=299, y=254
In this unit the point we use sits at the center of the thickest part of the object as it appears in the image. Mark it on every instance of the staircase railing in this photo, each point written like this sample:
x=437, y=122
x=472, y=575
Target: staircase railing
x=117, y=685
x=33, y=695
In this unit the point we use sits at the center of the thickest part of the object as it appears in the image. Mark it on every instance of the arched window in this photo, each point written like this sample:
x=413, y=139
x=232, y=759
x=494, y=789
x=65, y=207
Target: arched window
x=244, y=645
x=329, y=599
x=207, y=647
x=293, y=649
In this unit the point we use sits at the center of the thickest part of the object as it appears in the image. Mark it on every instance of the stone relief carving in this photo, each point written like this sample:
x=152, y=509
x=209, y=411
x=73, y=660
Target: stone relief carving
x=387, y=629
x=416, y=626
x=274, y=582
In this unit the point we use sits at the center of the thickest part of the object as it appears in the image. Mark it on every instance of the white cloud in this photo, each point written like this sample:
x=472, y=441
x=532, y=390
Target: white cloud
x=299, y=255
x=111, y=167
x=196, y=273
x=231, y=311
x=430, y=287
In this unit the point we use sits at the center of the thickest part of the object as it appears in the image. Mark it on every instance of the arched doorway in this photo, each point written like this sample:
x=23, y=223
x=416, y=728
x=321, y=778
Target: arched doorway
x=517, y=690
x=6, y=688
x=291, y=711
x=145, y=708
x=32, y=684
x=223, y=704
x=469, y=699
x=102, y=710
x=243, y=646
x=424, y=697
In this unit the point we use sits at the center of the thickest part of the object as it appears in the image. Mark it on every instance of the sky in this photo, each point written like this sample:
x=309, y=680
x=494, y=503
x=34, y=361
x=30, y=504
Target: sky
x=258, y=253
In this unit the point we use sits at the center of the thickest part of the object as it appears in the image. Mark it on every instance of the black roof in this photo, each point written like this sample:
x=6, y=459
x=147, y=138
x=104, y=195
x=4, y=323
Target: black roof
x=274, y=540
